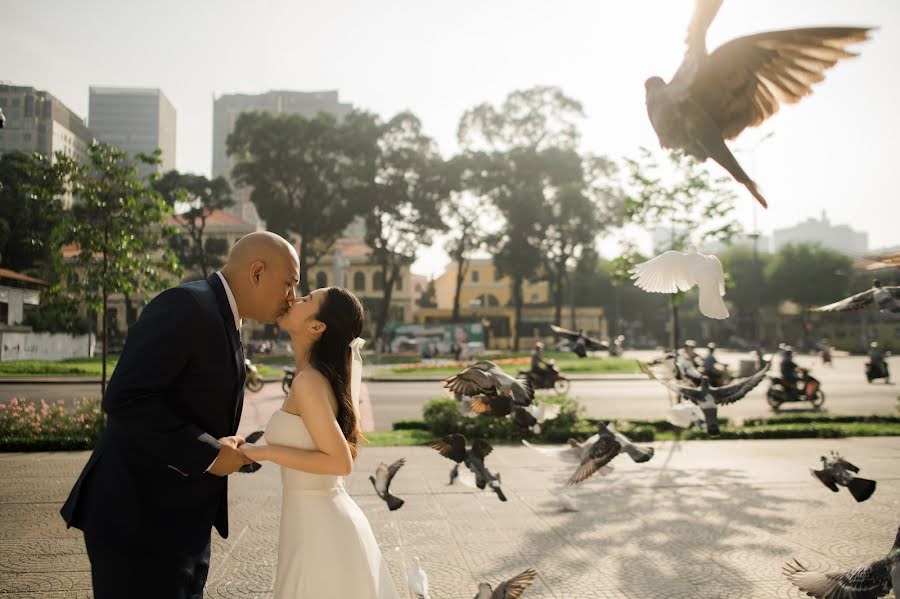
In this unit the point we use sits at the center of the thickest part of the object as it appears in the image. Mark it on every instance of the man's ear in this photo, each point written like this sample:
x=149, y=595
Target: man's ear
x=256, y=270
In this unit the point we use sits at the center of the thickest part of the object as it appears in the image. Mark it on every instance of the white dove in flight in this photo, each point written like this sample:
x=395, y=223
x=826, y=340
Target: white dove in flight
x=675, y=271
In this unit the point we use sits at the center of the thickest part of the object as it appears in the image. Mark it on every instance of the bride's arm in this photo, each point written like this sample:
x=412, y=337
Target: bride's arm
x=310, y=393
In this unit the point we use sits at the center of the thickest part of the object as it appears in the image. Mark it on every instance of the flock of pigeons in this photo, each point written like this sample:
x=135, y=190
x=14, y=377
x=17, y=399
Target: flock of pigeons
x=711, y=98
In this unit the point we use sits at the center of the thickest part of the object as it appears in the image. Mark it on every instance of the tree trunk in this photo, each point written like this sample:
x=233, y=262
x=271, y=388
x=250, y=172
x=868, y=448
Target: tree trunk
x=384, y=312
x=130, y=311
x=461, y=267
x=517, y=300
x=304, y=267
x=676, y=333
x=558, y=295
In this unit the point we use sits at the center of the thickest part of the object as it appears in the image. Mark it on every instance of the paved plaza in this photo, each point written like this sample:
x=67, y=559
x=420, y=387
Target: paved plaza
x=701, y=520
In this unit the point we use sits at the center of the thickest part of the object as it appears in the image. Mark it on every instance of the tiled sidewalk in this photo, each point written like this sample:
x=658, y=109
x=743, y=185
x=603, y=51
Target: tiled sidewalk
x=705, y=520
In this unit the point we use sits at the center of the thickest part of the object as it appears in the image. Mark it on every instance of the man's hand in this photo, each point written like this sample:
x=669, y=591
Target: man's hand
x=230, y=458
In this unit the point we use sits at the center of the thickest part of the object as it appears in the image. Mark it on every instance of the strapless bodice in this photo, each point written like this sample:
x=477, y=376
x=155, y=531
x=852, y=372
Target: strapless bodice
x=289, y=429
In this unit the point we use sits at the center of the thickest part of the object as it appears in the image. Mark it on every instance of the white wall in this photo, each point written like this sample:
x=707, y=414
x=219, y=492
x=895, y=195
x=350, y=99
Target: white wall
x=45, y=346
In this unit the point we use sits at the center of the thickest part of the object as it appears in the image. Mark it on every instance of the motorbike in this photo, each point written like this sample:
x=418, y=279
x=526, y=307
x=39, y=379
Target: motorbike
x=553, y=379
x=254, y=380
x=780, y=392
x=878, y=371
x=289, y=373
x=720, y=376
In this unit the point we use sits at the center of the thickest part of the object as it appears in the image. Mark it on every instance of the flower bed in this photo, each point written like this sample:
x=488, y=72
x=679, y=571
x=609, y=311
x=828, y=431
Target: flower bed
x=48, y=427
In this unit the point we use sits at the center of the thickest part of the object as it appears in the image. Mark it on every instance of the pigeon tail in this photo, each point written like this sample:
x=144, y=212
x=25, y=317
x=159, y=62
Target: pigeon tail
x=499, y=492
x=861, y=488
x=711, y=303
x=722, y=154
x=393, y=503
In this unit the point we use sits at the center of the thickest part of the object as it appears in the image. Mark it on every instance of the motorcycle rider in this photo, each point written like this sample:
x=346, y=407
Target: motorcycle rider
x=537, y=359
x=789, y=370
x=877, y=361
x=688, y=360
x=716, y=375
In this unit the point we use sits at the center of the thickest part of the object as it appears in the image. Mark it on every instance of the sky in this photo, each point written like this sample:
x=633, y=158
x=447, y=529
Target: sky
x=836, y=151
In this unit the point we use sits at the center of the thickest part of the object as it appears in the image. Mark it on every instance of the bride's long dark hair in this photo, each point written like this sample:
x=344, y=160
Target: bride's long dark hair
x=343, y=315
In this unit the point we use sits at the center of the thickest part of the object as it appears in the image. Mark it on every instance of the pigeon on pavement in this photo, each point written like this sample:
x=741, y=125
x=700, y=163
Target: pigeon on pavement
x=417, y=580
x=867, y=582
x=878, y=297
x=453, y=447
x=384, y=474
x=486, y=378
x=838, y=471
x=510, y=589
x=675, y=271
x=708, y=398
x=714, y=97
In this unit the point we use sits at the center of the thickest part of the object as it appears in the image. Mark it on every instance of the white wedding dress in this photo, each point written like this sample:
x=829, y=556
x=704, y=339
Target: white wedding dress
x=326, y=549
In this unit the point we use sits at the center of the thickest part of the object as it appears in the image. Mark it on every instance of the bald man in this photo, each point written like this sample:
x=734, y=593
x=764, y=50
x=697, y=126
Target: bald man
x=155, y=484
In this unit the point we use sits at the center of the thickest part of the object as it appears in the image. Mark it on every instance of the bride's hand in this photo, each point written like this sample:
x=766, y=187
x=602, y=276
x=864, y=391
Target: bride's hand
x=257, y=453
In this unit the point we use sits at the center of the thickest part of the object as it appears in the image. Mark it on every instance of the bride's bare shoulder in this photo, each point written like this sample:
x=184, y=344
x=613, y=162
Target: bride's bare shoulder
x=309, y=385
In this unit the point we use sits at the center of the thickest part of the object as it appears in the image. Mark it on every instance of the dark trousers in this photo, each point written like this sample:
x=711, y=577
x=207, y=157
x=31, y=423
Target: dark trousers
x=141, y=572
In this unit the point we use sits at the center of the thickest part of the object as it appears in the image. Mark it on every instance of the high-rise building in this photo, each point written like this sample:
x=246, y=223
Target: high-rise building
x=228, y=107
x=137, y=120
x=38, y=122
x=840, y=238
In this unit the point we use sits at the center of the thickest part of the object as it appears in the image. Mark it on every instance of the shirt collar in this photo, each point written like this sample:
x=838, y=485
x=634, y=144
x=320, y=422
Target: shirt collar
x=231, y=302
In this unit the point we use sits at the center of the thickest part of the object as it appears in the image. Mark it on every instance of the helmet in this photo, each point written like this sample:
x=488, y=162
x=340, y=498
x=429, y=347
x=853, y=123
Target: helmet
x=711, y=345
x=873, y=345
x=690, y=343
x=539, y=345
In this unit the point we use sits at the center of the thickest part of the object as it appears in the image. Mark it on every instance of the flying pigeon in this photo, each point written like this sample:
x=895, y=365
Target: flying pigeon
x=579, y=342
x=838, y=471
x=532, y=416
x=384, y=474
x=486, y=378
x=510, y=589
x=685, y=414
x=573, y=452
x=453, y=447
x=608, y=445
x=868, y=582
x=675, y=271
x=878, y=298
x=714, y=97
x=2, y=119
x=708, y=398
x=417, y=580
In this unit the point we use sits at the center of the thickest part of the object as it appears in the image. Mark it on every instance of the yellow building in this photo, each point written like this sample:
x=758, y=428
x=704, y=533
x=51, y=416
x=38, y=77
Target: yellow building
x=486, y=296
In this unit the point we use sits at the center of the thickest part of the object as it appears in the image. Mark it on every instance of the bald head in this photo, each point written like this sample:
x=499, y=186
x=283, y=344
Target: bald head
x=262, y=271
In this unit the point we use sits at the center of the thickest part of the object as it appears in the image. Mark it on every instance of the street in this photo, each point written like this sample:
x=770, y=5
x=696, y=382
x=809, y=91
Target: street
x=845, y=387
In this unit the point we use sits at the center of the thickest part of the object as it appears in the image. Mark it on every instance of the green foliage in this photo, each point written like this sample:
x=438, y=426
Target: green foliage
x=31, y=190
x=44, y=427
x=808, y=275
x=198, y=197
x=75, y=366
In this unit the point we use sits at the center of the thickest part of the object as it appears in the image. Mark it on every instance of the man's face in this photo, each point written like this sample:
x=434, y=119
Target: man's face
x=278, y=286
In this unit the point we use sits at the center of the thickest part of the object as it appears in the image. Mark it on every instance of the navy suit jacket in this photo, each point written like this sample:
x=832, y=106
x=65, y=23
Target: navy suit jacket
x=177, y=388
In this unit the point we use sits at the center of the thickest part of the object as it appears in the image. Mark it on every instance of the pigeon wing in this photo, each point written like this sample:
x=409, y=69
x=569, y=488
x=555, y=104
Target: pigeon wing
x=735, y=391
x=637, y=453
x=471, y=381
x=869, y=582
x=481, y=448
x=847, y=465
x=515, y=586
x=452, y=447
x=564, y=332
x=826, y=478
x=565, y=453
x=704, y=13
x=594, y=344
x=492, y=405
x=669, y=272
x=392, y=470
x=598, y=455
x=522, y=391
x=861, y=301
x=669, y=384
x=743, y=82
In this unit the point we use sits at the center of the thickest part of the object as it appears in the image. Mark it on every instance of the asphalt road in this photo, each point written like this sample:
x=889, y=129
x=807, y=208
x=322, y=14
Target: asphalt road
x=844, y=385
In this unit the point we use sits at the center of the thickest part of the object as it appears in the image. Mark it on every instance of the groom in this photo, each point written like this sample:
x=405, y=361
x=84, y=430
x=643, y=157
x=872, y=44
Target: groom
x=155, y=483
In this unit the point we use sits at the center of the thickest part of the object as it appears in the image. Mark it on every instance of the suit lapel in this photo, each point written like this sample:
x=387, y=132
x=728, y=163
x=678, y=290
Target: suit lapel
x=234, y=343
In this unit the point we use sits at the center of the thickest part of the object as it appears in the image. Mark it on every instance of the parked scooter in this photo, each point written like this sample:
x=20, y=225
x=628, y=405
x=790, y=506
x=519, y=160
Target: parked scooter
x=254, y=380
x=289, y=373
x=809, y=389
x=554, y=379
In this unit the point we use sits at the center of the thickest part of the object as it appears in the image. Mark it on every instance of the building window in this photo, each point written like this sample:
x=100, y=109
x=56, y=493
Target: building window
x=321, y=279
x=359, y=282
x=378, y=281
x=474, y=276
x=4, y=313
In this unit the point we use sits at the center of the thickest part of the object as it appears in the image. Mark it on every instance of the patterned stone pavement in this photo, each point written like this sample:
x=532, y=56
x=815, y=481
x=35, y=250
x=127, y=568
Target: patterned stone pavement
x=701, y=520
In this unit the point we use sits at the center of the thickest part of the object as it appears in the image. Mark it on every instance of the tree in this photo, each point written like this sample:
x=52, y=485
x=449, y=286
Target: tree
x=695, y=206
x=300, y=173
x=31, y=206
x=115, y=223
x=808, y=275
x=195, y=250
x=527, y=156
x=401, y=182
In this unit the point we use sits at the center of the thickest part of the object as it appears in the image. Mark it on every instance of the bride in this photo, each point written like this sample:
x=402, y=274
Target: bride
x=326, y=548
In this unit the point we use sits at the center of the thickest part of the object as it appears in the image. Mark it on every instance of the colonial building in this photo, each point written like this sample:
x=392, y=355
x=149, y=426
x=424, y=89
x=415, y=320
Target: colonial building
x=486, y=297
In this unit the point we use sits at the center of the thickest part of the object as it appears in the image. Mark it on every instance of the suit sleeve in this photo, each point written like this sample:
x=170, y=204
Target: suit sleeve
x=158, y=348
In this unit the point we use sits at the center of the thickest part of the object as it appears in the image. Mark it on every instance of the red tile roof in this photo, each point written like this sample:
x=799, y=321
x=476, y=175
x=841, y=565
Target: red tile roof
x=11, y=274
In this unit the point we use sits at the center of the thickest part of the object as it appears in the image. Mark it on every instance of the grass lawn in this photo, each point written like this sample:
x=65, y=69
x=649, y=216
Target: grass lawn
x=567, y=364
x=74, y=366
